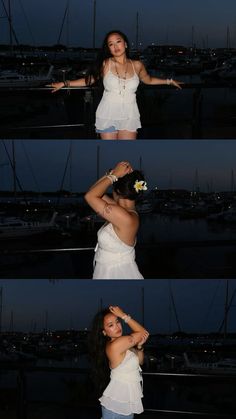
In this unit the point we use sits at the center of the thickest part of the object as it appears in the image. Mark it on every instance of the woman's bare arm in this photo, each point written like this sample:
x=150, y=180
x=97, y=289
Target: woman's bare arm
x=147, y=79
x=110, y=211
x=70, y=83
x=123, y=343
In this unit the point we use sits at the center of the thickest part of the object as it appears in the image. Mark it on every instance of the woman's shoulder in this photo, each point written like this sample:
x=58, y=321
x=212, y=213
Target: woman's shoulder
x=106, y=62
x=137, y=65
x=105, y=65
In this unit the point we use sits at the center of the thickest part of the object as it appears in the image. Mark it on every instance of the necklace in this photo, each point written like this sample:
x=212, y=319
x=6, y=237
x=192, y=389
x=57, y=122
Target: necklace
x=122, y=80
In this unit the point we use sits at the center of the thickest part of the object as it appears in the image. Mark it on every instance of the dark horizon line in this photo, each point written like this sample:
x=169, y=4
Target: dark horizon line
x=65, y=191
x=86, y=329
x=53, y=45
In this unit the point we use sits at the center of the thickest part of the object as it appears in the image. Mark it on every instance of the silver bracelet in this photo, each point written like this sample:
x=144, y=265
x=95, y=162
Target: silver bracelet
x=126, y=318
x=112, y=178
x=169, y=81
x=139, y=348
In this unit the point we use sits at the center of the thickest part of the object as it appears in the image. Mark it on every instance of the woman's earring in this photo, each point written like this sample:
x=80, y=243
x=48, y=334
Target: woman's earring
x=104, y=333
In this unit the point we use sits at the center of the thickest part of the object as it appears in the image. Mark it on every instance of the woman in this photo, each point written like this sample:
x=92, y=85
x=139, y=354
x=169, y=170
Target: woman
x=121, y=398
x=117, y=115
x=114, y=253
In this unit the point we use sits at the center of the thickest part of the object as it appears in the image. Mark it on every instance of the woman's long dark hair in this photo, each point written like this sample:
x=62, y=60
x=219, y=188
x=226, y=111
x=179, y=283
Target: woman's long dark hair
x=124, y=187
x=97, y=349
x=95, y=71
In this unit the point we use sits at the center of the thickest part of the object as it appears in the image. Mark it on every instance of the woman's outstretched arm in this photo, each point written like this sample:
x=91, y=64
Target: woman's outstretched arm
x=147, y=79
x=68, y=83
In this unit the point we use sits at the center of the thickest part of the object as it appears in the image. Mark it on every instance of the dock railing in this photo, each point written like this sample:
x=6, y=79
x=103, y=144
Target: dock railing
x=176, y=259
x=166, y=395
x=165, y=112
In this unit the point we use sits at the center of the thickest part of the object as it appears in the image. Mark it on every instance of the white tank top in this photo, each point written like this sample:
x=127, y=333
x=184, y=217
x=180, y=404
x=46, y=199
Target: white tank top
x=124, y=392
x=113, y=258
x=118, y=106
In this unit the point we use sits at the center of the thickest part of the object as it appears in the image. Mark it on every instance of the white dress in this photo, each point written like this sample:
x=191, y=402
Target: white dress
x=124, y=392
x=118, y=107
x=113, y=258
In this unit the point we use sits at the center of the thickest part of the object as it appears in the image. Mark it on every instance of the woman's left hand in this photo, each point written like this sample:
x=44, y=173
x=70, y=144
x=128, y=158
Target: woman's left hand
x=176, y=84
x=122, y=169
x=144, y=338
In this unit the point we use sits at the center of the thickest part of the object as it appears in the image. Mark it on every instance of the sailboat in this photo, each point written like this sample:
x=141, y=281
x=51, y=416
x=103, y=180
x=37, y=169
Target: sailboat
x=224, y=366
x=13, y=227
x=14, y=78
x=20, y=77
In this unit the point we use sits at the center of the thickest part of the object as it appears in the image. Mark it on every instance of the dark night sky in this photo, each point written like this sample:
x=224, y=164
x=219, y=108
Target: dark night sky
x=164, y=162
x=160, y=21
x=72, y=303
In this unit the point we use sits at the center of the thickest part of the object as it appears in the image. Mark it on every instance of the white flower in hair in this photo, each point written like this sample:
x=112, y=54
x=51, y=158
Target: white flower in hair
x=140, y=185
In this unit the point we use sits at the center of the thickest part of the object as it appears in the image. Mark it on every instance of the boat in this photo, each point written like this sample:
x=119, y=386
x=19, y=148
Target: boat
x=224, y=366
x=14, y=78
x=144, y=207
x=225, y=216
x=225, y=71
x=13, y=227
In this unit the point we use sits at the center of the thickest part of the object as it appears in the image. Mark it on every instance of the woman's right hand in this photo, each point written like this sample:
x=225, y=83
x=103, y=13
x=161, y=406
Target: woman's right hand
x=56, y=86
x=117, y=311
x=122, y=169
x=144, y=337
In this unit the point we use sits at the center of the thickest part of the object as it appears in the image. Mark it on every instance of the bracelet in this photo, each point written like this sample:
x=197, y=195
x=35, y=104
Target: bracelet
x=126, y=318
x=169, y=81
x=112, y=178
x=67, y=83
x=139, y=348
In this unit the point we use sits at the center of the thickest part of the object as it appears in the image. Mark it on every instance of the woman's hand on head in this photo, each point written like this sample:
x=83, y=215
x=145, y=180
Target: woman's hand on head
x=117, y=311
x=121, y=169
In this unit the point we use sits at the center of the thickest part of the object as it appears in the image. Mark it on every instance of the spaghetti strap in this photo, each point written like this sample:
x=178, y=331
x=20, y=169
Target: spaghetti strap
x=133, y=67
x=131, y=210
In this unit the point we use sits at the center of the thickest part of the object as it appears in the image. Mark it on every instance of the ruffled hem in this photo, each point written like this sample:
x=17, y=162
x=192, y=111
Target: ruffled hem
x=121, y=271
x=121, y=408
x=122, y=124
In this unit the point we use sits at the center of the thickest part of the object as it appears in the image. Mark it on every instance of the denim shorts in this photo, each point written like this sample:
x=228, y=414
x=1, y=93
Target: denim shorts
x=108, y=414
x=109, y=129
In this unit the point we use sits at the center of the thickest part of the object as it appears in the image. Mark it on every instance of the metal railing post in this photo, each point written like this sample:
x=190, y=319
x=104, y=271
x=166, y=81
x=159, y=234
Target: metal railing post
x=21, y=402
x=197, y=113
x=88, y=112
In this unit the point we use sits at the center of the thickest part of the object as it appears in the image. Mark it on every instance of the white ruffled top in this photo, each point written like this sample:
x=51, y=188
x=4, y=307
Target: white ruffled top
x=124, y=392
x=113, y=258
x=118, y=106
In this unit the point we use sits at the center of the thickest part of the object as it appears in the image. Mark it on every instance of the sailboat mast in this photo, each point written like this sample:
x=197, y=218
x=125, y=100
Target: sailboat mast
x=46, y=321
x=228, y=38
x=174, y=307
x=193, y=37
x=14, y=168
x=10, y=25
x=11, y=322
x=226, y=309
x=68, y=25
x=137, y=30
x=94, y=22
x=1, y=293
